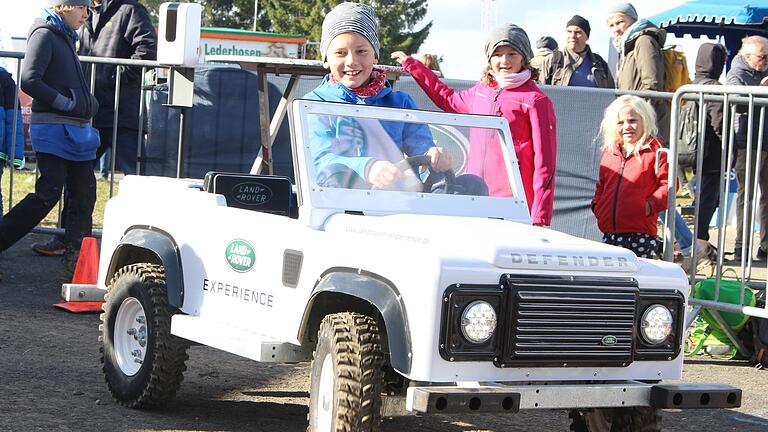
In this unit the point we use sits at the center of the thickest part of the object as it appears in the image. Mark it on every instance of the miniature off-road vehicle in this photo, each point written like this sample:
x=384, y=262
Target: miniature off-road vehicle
x=434, y=295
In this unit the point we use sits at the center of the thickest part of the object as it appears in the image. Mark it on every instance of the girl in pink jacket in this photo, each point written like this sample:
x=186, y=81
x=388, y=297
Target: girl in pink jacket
x=507, y=89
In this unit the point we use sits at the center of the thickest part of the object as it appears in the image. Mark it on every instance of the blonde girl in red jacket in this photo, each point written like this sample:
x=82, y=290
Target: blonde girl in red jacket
x=632, y=185
x=507, y=88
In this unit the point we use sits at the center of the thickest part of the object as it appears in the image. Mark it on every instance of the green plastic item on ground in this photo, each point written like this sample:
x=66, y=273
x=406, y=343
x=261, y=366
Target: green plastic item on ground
x=729, y=293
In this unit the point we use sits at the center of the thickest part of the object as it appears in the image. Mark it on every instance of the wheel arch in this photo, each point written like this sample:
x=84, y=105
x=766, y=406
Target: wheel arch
x=149, y=244
x=352, y=290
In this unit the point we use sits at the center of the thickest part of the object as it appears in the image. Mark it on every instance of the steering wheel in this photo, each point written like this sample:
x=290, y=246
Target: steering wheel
x=413, y=162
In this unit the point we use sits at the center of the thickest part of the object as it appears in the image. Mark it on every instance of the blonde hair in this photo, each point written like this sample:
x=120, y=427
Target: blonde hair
x=639, y=106
x=431, y=61
x=63, y=8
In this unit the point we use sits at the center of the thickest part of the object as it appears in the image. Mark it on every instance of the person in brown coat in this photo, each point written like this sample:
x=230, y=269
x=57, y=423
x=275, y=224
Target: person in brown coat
x=641, y=63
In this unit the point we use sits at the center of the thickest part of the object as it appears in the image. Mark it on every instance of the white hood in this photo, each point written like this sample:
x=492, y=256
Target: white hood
x=505, y=244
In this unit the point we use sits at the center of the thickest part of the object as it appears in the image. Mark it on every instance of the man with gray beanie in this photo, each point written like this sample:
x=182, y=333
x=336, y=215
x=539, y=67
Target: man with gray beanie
x=577, y=65
x=64, y=142
x=641, y=63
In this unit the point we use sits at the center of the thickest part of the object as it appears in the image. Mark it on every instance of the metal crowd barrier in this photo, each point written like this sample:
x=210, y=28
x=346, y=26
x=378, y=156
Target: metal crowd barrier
x=730, y=97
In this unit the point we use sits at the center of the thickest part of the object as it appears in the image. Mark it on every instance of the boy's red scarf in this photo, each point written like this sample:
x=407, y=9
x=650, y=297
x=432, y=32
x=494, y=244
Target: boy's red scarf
x=378, y=82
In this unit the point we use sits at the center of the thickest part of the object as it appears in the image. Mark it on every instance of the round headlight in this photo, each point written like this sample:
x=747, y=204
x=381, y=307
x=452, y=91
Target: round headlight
x=656, y=324
x=478, y=322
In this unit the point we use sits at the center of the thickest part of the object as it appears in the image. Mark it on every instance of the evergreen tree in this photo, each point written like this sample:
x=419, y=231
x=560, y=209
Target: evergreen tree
x=397, y=21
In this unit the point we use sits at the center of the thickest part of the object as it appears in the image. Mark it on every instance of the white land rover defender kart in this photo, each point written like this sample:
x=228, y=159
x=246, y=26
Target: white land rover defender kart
x=429, y=296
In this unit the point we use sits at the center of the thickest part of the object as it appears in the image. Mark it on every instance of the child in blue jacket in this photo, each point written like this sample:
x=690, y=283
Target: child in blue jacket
x=350, y=49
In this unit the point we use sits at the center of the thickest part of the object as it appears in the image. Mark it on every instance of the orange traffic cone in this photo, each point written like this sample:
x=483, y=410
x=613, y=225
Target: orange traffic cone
x=86, y=273
x=87, y=268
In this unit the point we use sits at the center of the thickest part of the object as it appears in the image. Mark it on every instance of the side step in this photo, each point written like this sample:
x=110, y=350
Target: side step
x=236, y=340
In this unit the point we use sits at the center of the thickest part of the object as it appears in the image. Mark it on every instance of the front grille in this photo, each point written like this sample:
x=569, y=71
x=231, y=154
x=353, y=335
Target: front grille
x=570, y=322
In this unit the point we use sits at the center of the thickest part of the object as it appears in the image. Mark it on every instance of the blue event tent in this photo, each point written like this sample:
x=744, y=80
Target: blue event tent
x=726, y=20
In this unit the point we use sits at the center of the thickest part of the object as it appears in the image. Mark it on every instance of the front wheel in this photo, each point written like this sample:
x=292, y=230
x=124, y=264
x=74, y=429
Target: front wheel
x=346, y=377
x=631, y=419
x=143, y=363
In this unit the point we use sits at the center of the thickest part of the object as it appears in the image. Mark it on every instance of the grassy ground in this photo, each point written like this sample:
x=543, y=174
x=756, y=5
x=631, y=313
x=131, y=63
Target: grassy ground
x=24, y=183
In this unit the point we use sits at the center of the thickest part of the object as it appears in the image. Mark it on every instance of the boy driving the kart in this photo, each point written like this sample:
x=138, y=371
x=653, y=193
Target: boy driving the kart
x=356, y=153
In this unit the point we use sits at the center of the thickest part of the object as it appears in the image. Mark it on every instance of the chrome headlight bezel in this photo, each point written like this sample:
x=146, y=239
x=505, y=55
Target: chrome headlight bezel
x=656, y=324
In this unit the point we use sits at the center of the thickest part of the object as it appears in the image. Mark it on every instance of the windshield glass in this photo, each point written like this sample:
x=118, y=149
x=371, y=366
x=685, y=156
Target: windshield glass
x=360, y=153
x=379, y=160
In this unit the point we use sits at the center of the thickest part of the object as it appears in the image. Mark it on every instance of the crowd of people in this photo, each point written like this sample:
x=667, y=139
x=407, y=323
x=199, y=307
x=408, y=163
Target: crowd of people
x=71, y=127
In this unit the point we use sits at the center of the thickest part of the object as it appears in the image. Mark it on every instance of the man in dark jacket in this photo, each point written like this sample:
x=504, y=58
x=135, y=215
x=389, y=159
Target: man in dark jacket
x=641, y=63
x=710, y=62
x=117, y=29
x=750, y=68
x=64, y=143
x=577, y=65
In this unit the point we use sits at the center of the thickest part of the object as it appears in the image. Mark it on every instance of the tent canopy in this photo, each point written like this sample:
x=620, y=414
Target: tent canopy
x=715, y=18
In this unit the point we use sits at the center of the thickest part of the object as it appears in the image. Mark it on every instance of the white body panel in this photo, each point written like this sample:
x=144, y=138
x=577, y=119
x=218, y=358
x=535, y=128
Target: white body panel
x=420, y=254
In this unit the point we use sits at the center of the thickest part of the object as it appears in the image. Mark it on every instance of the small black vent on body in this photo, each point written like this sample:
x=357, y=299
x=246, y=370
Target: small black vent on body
x=292, y=267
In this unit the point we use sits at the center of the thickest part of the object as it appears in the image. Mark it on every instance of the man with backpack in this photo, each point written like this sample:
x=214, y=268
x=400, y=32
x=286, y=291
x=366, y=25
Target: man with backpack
x=577, y=65
x=641, y=63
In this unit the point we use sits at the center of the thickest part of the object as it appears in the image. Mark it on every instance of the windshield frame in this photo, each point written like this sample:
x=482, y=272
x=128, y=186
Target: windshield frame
x=317, y=203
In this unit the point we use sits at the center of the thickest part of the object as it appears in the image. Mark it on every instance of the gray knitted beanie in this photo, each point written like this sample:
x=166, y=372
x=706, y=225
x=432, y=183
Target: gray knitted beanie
x=350, y=18
x=623, y=8
x=512, y=35
x=53, y=3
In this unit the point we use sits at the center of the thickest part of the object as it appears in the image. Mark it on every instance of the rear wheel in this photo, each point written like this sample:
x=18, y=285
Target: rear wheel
x=632, y=419
x=346, y=380
x=142, y=362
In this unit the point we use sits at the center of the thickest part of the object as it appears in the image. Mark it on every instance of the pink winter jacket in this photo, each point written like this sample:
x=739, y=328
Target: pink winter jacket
x=532, y=123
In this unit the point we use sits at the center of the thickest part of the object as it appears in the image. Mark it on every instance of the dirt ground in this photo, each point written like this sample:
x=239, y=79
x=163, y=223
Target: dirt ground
x=51, y=380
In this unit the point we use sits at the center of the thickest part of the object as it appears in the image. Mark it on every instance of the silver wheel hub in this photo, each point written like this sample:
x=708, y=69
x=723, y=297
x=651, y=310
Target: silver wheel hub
x=130, y=336
x=324, y=413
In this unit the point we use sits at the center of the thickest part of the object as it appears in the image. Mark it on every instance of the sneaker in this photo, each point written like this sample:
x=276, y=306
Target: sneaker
x=53, y=247
x=762, y=254
x=70, y=262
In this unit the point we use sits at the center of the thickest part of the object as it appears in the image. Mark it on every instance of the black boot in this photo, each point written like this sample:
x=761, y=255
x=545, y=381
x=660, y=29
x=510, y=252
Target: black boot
x=71, y=254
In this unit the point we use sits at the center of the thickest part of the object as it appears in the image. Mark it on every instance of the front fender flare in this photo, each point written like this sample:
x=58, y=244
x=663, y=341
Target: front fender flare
x=379, y=292
x=160, y=244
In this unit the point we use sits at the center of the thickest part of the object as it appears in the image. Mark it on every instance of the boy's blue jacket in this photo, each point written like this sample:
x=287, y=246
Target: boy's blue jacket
x=8, y=115
x=411, y=138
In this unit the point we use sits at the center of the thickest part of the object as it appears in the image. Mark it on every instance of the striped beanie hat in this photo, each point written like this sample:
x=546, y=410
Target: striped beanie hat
x=350, y=17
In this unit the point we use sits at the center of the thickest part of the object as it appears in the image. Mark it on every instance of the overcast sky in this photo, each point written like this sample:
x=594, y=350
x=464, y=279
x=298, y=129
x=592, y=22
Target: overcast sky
x=455, y=33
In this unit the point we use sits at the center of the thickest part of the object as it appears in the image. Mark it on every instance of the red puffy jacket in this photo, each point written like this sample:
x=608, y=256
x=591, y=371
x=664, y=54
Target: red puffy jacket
x=626, y=184
x=531, y=118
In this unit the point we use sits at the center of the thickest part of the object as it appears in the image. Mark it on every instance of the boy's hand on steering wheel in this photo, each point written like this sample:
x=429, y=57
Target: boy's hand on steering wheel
x=399, y=56
x=383, y=173
x=440, y=159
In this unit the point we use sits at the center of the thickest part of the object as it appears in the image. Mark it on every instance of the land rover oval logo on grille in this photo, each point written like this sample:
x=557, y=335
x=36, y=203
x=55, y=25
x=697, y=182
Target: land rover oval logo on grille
x=251, y=193
x=609, y=340
x=240, y=255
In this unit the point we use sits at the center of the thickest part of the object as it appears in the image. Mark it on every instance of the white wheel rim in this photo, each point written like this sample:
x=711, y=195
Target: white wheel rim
x=324, y=413
x=130, y=336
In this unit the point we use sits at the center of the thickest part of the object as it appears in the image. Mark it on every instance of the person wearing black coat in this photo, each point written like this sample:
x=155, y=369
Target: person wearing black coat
x=118, y=29
x=710, y=62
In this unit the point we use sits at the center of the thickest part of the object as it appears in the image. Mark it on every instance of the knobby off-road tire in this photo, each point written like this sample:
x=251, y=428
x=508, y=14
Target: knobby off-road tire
x=631, y=419
x=347, y=375
x=143, y=363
